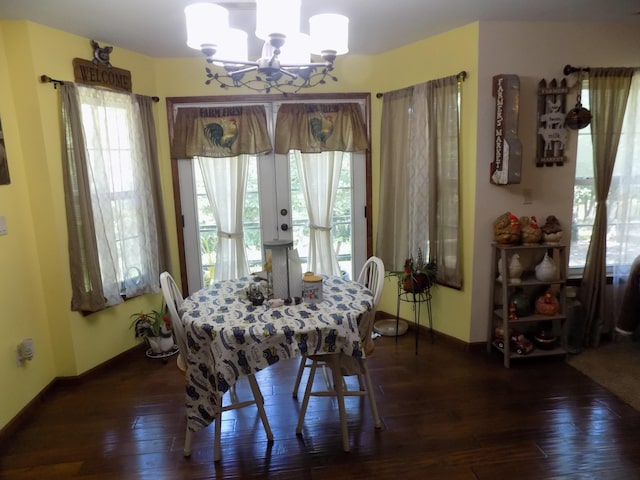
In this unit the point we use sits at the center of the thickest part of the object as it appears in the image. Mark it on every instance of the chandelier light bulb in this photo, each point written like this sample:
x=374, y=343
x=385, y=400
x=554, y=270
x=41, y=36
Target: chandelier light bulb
x=329, y=31
x=206, y=24
x=277, y=16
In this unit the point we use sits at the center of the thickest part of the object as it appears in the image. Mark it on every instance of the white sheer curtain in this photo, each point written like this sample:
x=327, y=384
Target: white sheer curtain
x=121, y=197
x=622, y=243
x=419, y=172
x=319, y=177
x=225, y=181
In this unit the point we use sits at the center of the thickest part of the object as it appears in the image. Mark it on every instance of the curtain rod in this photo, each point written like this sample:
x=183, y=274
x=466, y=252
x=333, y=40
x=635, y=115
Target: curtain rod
x=462, y=76
x=48, y=79
x=568, y=69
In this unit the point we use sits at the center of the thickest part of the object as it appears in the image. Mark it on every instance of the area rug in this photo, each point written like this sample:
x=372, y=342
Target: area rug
x=615, y=366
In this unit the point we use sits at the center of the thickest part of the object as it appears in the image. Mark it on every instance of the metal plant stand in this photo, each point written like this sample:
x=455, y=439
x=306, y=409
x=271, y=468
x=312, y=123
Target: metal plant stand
x=416, y=299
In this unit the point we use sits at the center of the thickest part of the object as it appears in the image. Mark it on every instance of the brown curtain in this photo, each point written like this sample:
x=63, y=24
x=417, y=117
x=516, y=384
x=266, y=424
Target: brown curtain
x=86, y=281
x=315, y=128
x=393, y=219
x=220, y=132
x=149, y=128
x=608, y=93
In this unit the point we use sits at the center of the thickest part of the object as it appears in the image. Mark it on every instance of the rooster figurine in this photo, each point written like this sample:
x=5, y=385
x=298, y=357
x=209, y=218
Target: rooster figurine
x=223, y=134
x=322, y=128
x=101, y=54
x=530, y=233
x=506, y=229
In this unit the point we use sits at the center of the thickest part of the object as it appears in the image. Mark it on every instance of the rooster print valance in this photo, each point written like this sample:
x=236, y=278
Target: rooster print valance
x=325, y=127
x=220, y=132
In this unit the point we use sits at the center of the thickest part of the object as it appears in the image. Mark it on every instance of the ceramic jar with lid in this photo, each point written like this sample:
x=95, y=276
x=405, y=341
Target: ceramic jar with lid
x=311, y=287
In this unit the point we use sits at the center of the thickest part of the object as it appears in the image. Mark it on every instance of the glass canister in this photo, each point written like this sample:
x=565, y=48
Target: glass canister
x=311, y=287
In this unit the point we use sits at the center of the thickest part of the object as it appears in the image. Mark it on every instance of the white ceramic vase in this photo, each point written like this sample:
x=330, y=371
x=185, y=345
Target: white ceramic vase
x=515, y=269
x=546, y=269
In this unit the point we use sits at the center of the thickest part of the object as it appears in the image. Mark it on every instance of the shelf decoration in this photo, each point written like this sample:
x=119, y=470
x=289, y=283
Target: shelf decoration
x=552, y=133
x=506, y=229
x=530, y=233
x=547, y=304
x=552, y=231
x=546, y=269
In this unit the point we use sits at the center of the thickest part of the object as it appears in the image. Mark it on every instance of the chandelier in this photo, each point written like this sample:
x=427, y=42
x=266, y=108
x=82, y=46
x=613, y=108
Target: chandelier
x=285, y=65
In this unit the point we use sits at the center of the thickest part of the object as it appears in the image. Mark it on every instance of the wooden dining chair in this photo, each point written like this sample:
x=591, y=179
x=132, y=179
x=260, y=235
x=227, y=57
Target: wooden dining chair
x=173, y=298
x=372, y=276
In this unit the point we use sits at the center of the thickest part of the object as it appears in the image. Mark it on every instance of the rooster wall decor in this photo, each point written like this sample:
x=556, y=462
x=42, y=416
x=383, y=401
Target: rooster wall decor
x=223, y=134
x=101, y=54
x=322, y=128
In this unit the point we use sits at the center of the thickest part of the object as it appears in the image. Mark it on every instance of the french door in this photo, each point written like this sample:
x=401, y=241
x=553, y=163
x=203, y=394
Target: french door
x=274, y=209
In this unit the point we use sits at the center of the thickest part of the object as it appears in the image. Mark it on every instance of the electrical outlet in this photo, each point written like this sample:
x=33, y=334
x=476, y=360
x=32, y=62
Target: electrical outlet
x=3, y=225
x=527, y=196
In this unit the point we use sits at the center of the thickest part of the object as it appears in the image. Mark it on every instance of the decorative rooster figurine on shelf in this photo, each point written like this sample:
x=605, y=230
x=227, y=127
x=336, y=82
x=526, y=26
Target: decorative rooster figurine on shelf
x=223, y=134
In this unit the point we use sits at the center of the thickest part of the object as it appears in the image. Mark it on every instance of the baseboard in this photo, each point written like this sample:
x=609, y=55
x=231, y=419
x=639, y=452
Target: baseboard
x=27, y=412
x=425, y=334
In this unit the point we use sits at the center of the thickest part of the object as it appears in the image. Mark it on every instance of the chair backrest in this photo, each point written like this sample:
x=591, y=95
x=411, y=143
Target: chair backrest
x=173, y=298
x=372, y=277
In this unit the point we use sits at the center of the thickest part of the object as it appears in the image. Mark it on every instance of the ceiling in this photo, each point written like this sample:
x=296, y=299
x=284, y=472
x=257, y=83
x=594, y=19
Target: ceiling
x=157, y=27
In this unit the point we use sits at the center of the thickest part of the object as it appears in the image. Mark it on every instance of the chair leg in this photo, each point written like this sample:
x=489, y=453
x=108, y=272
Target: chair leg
x=186, y=450
x=217, y=451
x=327, y=381
x=307, y=394
x=232, y=394
x=339, y=389
x=257, y=395
x=372, y=397
x=296, y=386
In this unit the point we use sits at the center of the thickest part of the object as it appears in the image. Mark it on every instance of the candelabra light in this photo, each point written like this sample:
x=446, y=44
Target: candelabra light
x=285, y=65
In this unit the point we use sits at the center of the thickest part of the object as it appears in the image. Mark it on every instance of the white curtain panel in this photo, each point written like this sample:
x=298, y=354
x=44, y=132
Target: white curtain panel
x=132, y=240
x=319, y=177
x=225, y=181
x=622, y=239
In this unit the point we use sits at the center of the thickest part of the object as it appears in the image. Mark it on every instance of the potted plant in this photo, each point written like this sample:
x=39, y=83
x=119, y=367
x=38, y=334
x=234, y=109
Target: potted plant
x=417, y=275
x=155, y=328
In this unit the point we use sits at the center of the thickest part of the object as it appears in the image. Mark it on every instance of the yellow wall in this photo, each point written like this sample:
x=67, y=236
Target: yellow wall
x=436, y=57
x=34, y=278
x=34, y=272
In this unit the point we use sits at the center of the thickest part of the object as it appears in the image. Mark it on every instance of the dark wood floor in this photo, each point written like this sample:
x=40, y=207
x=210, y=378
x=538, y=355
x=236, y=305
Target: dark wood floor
x=447, y=414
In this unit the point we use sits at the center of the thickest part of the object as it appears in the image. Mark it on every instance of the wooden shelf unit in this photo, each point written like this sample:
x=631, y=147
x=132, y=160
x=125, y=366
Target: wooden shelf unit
x=499, y=313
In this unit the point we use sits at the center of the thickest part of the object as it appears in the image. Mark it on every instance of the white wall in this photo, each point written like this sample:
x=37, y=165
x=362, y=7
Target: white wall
x=532, y=51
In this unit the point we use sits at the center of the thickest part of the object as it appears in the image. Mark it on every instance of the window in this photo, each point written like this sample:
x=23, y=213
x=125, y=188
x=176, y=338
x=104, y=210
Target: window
x=623, y=203
x=419, y=184
x=113, y=236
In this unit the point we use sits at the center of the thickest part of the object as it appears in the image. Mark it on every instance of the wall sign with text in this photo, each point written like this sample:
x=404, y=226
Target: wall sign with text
x=506, y=166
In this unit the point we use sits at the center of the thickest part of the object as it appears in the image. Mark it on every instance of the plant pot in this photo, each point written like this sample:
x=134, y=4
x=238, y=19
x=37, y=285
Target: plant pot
x=160, y=344
x=416, y=283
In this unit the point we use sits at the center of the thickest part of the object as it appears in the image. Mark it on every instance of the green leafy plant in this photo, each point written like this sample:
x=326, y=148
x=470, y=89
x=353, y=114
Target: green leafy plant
x=417, y=275
x=155, y=323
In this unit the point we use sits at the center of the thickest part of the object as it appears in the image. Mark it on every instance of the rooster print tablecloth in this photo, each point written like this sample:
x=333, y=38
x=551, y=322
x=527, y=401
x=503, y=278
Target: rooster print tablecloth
x=228, y=337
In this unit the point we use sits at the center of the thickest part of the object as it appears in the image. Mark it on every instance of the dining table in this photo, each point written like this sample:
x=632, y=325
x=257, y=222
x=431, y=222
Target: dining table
x=228, y=336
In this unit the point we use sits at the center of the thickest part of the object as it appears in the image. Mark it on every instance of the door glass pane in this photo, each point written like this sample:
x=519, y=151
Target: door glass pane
x=341, y=224
x=208, y=232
